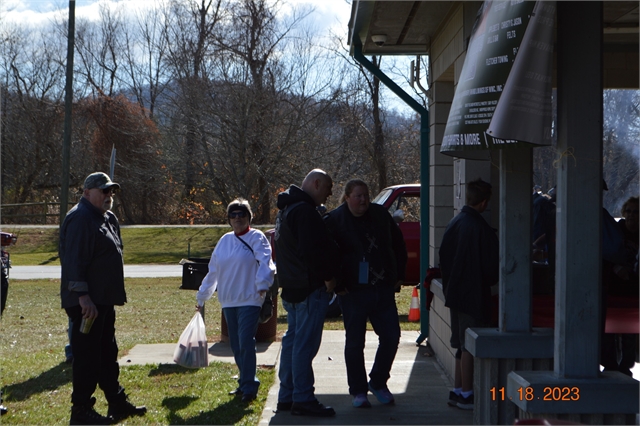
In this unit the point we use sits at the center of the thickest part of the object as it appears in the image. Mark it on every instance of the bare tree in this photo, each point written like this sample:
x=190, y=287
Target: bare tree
x=621, y=151
x=100, y=50
x=190, y=43
x=31, y=72
x=145, y=51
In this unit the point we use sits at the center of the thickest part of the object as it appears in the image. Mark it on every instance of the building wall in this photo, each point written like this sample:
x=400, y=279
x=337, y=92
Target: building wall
x=448, y=175
x=440, y=330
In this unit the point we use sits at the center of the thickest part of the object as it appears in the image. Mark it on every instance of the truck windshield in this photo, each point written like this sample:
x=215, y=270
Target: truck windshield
x=382, y=196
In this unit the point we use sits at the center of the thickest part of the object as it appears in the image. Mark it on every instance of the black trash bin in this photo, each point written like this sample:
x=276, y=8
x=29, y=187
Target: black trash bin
x=194, y=270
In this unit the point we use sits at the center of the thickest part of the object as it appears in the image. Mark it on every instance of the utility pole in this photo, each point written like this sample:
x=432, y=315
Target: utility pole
x=68, y=101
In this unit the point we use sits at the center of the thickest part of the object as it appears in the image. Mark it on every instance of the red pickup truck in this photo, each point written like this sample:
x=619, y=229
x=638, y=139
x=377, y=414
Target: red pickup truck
x=403, y=203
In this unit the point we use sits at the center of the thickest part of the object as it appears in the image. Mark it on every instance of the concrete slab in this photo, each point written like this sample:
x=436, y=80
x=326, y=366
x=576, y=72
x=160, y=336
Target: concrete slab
x=419, y=384
x=162, y=353
x=420, y=387
x=20, y=272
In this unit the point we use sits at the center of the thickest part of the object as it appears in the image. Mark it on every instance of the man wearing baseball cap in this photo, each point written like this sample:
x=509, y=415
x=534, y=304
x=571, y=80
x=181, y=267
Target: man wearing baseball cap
x=92, y=284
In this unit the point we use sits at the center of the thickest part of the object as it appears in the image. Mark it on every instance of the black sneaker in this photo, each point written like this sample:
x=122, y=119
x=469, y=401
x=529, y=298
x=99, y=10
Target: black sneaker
x=84, y=414
x=465, y=403
x=123, y=409
x=454, y=398
x=313, y=409
x=248, y=397
x=283, y=406
x=3, y=409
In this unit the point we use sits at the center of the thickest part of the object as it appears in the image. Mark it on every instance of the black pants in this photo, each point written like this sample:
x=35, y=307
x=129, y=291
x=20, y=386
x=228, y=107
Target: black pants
x=4, y=288
x=95, y=356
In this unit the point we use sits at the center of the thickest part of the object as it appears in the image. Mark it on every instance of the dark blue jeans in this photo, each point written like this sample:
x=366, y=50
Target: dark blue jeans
x=300, y=344
x=95, y=355
x=378, y=305
x=242, y=324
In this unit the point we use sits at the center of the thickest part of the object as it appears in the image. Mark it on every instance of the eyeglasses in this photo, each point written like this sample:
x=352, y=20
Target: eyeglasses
x=241, y=215
x=110, y=190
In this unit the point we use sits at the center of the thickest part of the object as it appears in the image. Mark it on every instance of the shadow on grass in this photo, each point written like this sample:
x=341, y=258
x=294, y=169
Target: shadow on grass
x=175, y=403
x=230, y=412
x=50, y=260
x=166, y=369
x=47, y=381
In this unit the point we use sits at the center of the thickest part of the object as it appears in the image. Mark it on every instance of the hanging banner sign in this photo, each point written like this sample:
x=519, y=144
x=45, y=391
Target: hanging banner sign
x=503, y=96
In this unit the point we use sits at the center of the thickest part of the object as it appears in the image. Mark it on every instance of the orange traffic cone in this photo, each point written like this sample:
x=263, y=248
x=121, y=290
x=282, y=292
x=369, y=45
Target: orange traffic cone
x=414, y=310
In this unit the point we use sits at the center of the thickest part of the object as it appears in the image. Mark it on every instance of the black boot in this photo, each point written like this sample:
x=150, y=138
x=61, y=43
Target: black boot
x=3, y=409
x=121, y=408
x=84, y=414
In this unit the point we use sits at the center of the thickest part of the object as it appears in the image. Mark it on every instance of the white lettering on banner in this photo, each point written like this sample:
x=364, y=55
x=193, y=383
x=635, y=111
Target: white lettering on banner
x=540, y=45
x=497, y=141
x=549, y=9
x=451, y=139
x=511, y=34
x=493, y=28
x=472, y=139
x=492, y=39
x=497, y=60
x=511, y=23
x=547, y=22
x=481, y=103
x=537, y=77
x=483, y=121
x=499, y=5
x=483, y=90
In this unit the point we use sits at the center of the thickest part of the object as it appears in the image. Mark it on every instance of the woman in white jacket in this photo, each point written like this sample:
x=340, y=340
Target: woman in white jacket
x=242, y=271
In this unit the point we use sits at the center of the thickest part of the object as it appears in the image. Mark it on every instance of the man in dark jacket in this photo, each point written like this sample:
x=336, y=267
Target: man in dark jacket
x=373, y=261
x=92, y=283
x=305, y=266
x=469, y=261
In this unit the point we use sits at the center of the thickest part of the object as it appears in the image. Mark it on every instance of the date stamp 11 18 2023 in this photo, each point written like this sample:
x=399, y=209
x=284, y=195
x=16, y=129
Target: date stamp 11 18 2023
x=549, y=393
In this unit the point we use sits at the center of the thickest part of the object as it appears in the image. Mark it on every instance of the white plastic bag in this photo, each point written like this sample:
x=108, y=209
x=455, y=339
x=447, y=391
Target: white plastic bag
x=192, y=349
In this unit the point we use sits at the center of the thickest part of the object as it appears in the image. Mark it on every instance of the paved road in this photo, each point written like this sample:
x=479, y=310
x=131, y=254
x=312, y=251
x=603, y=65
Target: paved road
x=130, y=271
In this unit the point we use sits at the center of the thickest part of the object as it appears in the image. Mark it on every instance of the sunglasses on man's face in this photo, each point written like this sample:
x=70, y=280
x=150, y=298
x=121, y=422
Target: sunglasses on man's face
x=241, y=215
x=106, y=191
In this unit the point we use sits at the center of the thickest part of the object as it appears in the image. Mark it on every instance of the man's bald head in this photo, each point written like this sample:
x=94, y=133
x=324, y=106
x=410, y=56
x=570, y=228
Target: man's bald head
x=318, y=185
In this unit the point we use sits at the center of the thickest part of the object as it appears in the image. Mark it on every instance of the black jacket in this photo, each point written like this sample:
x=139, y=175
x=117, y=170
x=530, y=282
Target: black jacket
x=469, y=262
x=373, y=238
x=90, y=252
x=305, y=255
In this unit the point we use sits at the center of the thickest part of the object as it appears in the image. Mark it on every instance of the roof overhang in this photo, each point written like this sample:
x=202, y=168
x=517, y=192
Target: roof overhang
x=409, y=26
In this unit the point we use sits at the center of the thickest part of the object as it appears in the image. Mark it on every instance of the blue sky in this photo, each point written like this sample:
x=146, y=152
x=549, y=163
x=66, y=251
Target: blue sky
x=329, y=15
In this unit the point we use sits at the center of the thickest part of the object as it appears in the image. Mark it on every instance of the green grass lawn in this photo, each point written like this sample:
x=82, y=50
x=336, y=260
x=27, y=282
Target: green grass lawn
x=159, y=245
x=37, y=382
